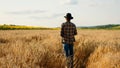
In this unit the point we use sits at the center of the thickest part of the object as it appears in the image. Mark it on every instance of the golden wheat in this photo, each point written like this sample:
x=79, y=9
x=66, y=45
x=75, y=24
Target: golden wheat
x=43, y=49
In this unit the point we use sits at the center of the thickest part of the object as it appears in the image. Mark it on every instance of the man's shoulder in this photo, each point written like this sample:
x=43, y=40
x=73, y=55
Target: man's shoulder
x=73, y=24
x=64, y=23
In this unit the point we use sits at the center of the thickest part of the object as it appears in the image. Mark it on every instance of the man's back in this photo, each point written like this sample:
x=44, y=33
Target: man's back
x=68, y=31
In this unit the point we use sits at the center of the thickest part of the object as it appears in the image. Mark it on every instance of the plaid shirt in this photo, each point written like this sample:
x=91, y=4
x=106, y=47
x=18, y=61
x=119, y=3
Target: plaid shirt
x=68, y=31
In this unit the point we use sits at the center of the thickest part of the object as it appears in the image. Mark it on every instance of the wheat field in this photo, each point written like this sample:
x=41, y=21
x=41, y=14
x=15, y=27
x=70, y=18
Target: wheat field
x=43, y=49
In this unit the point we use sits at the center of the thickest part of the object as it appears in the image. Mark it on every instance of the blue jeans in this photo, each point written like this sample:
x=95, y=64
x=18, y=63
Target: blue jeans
x=68, y=48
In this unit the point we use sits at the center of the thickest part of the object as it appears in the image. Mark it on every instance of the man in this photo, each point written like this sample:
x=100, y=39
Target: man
x=68, y=31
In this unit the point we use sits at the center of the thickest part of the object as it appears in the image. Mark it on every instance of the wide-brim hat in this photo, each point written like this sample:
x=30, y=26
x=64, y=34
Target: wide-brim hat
x=68, y=15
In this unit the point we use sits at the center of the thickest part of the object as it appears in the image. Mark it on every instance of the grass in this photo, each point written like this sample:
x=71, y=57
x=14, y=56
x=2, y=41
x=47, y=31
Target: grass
x=118, y=27
x=22, y=27
x=107, y=27
x=43, y=49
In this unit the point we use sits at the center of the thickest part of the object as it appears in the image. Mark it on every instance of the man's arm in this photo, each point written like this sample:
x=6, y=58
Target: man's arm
x=75, y=32
x=62, y=31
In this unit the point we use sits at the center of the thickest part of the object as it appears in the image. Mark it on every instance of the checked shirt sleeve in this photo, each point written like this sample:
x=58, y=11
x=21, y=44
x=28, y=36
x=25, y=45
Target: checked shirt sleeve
x=62, y=30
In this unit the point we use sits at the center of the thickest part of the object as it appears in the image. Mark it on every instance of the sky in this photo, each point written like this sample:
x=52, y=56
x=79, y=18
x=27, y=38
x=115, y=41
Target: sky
x=50, y=13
